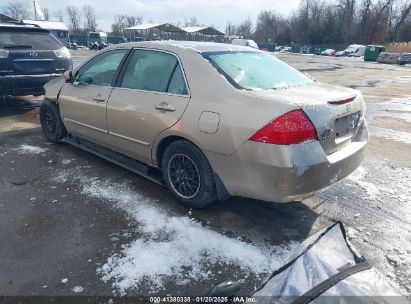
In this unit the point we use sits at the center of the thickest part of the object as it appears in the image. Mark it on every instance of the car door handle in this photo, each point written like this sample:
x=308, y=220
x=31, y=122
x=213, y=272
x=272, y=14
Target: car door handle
x=99, y=99
x=165, y=106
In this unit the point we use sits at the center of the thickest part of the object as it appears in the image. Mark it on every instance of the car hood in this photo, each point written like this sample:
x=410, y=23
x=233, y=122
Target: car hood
x=326, y=106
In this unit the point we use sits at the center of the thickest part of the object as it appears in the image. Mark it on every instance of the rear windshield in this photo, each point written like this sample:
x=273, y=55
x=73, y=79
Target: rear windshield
x=26, y=39
x=256, y=70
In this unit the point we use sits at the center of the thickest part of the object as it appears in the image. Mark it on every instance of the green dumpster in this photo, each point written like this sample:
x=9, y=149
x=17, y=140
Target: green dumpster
x=295, y=48
x=267, y=47
x=372, y=52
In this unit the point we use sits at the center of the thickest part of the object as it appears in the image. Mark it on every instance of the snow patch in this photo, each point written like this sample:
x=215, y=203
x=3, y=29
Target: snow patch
x=391, y=134
x=358, y=177
x=28, y=149
x=176, y=247
x=66, y=161
x=77, y=289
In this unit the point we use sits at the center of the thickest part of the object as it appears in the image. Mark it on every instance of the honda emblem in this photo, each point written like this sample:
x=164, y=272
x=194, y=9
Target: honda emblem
x=33, y=54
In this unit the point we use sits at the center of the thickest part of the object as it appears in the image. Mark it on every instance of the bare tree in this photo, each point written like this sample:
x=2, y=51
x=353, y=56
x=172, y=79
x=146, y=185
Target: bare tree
x=123, y=21
x=120, y=23
x=90, y=23
x=46, y=14
x=16, y=10
x=244, y=29
x=59, y=15
x=193, y=21
x=230, y=29
x=74, y=17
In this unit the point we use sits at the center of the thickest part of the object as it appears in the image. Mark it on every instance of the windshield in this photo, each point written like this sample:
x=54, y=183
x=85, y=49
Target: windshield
x=256, y=70
x=28, y=39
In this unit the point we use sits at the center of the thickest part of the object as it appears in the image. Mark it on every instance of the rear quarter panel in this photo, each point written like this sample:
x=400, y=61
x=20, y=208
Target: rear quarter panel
x=241, y=114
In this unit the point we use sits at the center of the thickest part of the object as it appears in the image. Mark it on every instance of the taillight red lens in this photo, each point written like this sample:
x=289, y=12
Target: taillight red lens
x=293, y=127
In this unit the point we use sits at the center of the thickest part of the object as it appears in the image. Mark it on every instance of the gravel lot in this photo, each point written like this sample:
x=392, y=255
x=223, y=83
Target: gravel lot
x=72, y=223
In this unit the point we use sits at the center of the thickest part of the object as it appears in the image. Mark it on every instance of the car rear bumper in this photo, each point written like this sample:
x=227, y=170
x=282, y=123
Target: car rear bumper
x=25, y=84
x=286, y=173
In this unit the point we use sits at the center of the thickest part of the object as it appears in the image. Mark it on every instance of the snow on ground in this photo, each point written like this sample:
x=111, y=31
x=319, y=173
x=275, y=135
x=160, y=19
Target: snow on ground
x=381, y=182
x=28, y=149
x=399, y=108
x=176, y=247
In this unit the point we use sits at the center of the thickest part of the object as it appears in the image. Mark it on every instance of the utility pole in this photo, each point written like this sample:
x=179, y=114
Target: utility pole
x=35, y=10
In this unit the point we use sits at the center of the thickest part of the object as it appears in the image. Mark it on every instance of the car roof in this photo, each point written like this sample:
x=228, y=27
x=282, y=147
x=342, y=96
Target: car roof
x=21, y=26
x=199, y=47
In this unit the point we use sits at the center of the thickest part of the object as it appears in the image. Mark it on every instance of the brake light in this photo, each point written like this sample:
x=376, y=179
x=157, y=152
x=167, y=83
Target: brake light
x=342, y=101
x=293, y=127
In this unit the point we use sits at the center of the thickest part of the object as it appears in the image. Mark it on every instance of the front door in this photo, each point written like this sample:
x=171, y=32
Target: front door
x=83, y=102
x=151, y=96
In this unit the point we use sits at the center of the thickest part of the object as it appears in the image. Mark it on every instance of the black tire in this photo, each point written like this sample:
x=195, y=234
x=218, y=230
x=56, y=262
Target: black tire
x=184, y=164
x=51, y=123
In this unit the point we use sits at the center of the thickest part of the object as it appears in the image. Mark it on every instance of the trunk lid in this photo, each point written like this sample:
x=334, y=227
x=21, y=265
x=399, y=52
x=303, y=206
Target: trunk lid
x=25, y=62
x=335, y=112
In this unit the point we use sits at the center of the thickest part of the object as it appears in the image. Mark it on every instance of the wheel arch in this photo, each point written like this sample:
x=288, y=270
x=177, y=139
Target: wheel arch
x=222, y=193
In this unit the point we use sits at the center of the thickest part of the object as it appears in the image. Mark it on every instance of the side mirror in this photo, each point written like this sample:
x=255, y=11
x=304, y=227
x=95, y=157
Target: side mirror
x=68, y=75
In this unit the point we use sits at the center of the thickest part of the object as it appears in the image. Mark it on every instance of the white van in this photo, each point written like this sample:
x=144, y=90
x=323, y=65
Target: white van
x=245, y=42
x=355, y=50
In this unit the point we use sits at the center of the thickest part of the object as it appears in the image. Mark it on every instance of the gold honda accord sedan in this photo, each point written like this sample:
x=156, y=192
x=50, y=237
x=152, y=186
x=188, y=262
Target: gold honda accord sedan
x=209, y=120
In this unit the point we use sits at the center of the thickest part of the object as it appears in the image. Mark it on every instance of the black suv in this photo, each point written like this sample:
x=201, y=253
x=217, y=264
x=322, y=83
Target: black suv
x=29, y=57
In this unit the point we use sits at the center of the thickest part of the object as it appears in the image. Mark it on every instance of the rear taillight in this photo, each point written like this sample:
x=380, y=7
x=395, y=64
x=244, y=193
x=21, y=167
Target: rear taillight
x=293, y=127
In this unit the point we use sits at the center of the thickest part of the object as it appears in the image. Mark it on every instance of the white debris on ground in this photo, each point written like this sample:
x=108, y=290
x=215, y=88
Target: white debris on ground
x=358, y=177
x=77, y=289
x=66, y=161
x=381, y=181
x=176, y=248
x=64, y=281
x=28, y=149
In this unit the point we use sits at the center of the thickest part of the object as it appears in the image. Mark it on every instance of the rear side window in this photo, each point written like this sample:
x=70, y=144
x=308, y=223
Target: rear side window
x=28, y=39
x=177, y=83
x=154, y=71
x=101, y=69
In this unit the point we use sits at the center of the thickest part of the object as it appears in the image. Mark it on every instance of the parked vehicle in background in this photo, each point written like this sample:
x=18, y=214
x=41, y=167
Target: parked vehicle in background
x=328, y=52
x=283, y=49
x=245, y=42
x=96, y=37
x=353, y=50
x=29, y=57
x=73, y=46
x=57, y=29
x=97, y=46
x=405, y=58
x=209, y=120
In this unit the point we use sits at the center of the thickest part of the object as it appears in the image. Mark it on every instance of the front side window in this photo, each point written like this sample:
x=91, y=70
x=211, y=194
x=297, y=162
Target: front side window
x=100, y=70
x=256, y=70
x=154, y=71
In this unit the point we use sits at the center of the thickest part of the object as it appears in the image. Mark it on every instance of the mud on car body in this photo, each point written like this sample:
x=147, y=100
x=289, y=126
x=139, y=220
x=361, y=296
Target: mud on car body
x=29, y=58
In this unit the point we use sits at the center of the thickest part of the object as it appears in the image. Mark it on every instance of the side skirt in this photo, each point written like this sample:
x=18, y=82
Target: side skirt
x=126, y=162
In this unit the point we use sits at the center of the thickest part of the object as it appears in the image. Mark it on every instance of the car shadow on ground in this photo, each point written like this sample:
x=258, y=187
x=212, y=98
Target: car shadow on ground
x=17, y=105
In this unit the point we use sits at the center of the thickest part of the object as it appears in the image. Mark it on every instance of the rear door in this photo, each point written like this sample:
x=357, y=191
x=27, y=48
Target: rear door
x=83, y=102
x=151, y=96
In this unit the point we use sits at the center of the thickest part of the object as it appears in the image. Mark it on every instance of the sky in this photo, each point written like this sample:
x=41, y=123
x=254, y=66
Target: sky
x=209, y=12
